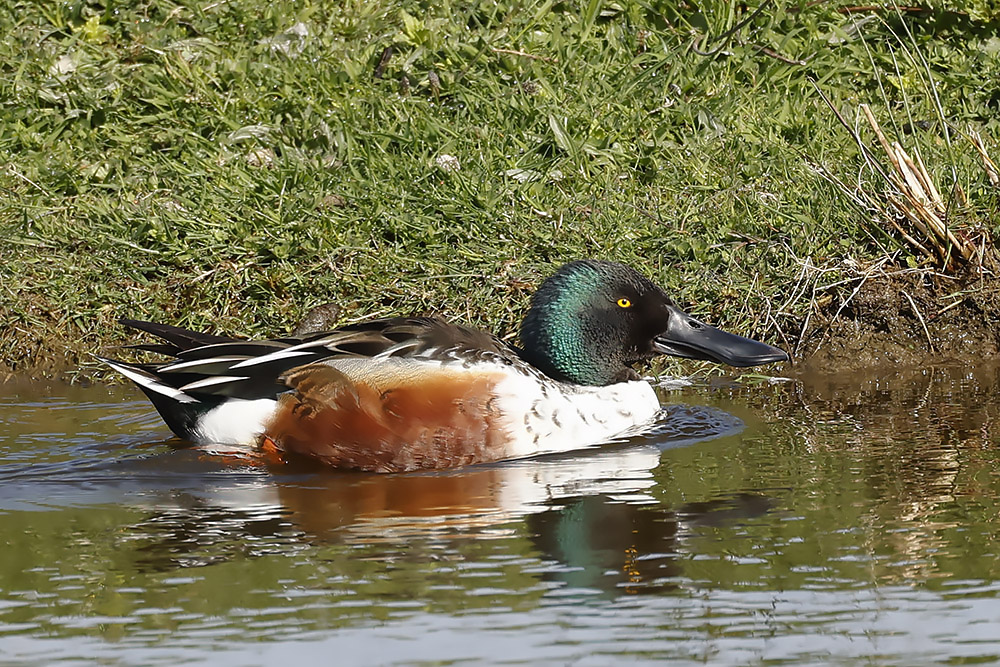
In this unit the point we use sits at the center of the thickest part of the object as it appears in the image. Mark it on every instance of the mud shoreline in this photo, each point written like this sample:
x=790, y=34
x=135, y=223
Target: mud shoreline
x=906, y=318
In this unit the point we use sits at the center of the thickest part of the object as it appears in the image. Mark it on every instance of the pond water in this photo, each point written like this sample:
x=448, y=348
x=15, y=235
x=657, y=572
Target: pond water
x=819, y=520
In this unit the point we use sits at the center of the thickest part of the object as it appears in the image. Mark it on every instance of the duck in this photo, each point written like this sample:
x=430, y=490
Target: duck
x=404, y=394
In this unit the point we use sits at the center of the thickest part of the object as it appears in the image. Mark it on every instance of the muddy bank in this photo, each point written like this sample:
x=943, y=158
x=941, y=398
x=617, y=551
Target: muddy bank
x=903, y=318
x=40, y=356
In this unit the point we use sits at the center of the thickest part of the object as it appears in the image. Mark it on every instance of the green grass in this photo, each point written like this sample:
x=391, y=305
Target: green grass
x=227, y=165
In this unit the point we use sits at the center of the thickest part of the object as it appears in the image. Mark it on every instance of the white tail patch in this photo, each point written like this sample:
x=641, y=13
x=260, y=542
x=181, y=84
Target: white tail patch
x=236, y=422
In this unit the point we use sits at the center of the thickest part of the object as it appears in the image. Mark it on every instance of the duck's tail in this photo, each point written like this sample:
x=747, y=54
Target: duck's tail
x=180, y=411
x=212, y=378
x=171, y=393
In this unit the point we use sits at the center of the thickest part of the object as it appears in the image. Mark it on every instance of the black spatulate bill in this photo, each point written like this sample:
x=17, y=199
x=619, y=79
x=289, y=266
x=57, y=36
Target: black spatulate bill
x=689, y=338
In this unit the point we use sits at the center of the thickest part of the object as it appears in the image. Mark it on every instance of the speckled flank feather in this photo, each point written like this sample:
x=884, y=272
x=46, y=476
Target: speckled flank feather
x=546, y=416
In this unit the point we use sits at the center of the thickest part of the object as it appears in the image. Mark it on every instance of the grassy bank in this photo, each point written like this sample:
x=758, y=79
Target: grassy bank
x=228, y=165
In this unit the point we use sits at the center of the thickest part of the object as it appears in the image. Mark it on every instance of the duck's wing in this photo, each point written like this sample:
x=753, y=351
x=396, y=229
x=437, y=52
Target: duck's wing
x=212, y=368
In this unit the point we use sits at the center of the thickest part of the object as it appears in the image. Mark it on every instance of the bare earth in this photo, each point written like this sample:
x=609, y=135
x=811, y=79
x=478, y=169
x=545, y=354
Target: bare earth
x=905, y=319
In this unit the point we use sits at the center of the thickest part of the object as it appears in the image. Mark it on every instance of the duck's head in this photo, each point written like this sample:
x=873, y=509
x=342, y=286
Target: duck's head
x=591, y=320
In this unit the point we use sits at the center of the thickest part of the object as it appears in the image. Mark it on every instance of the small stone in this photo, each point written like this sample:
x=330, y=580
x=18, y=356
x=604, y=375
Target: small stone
x=262, y=157
x=448, y=163
x=333, y=201
x=320, y=318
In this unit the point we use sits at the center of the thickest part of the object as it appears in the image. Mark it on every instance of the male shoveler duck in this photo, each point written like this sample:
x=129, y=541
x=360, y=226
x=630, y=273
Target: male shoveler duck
x=413, y=393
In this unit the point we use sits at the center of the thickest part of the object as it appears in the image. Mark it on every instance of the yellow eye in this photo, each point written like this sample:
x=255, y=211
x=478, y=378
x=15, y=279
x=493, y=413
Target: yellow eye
x=624, y=303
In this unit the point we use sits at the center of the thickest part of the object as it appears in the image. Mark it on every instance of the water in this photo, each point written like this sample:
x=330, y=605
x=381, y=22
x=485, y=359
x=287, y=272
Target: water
x=827, y=520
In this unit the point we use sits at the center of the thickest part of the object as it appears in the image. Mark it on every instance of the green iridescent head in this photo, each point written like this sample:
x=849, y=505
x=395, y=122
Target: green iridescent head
x=592, y=320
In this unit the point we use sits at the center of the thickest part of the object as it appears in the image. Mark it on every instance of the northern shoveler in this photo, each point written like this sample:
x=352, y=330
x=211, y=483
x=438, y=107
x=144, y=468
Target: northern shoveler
x=413, y=393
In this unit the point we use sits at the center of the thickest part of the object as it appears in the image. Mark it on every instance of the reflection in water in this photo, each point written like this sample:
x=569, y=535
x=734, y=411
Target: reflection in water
x=606, y=544
x=192, y=527
x=910, y=434
x=859, y=523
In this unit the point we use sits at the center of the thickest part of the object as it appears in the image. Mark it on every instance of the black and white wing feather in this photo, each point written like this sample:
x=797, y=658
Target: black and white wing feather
x=210, y=368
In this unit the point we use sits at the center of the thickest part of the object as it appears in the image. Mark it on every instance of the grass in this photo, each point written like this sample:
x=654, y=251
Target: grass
x=227, y=165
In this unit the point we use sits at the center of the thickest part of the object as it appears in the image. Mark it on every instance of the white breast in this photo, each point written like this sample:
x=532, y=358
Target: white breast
x=558, y=417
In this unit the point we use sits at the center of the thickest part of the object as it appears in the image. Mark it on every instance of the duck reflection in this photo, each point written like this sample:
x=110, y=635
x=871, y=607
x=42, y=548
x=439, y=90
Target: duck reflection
x=614, y=546
x=379, y=507
x=593, y=514
x=189, y=528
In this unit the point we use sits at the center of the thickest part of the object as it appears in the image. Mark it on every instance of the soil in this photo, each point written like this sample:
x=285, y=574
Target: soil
x=910, y=318
x=37, y=357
